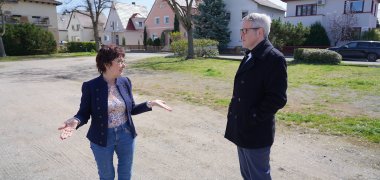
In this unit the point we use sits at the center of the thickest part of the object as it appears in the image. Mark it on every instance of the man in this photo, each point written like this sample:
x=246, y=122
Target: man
x=259, y=92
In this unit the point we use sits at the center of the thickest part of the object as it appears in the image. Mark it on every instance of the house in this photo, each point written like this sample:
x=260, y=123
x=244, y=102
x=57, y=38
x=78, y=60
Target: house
x=160, y=20
x=79, y=27
x=238, y=9
x=125, y=24
x=363, y=12
x=63, y=21
x=39, y=12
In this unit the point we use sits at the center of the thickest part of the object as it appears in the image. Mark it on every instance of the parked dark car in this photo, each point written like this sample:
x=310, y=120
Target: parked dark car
x=369, y=50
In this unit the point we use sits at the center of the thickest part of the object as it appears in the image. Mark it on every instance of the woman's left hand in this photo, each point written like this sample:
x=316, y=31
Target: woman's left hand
x=161, y=104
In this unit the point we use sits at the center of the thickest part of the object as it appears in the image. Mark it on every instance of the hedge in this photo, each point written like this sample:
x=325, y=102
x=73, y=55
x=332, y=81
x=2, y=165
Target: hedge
x=81, y=46
x=316, y=56
x=202, y=47
x=28, y=39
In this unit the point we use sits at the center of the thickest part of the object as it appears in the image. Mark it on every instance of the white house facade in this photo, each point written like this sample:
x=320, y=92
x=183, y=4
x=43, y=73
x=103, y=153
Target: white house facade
x=80, y=29
x=240, y=8
x=324, y=11
x=42, y=13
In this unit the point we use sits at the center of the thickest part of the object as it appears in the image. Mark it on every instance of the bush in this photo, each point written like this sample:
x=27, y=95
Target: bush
x=157, y=42
x=371, y=35
x=317, y=36
x=287, y=34
x=206, y=48
x=28, y=39
x=202, y=47
x=316, y=56
x=179, y=47
x=149, y=42
x=175, y=36
x=81, y=46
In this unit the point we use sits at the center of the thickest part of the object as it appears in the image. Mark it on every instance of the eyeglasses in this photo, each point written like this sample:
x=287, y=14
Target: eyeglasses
x=245, y=30
x=120, y=61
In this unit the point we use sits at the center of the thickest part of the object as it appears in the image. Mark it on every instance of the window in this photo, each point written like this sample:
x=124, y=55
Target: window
x=353, y=6
x=106, y=38
x=306, y=10
x=36, y=19
x=78, y=26
x=15, y=18
x=157, y=20
x=140, y=24
x=243, y=14
x=166, y=19
x=352, y=45
x=228, y=15
x=363, y=44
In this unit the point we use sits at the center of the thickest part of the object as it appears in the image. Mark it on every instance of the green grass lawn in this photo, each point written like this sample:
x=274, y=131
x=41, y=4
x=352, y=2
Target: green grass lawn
x=333, y=84
x=46, y=56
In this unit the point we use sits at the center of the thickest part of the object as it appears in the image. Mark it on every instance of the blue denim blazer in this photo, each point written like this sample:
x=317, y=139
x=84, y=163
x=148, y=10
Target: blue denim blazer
x=94, y=104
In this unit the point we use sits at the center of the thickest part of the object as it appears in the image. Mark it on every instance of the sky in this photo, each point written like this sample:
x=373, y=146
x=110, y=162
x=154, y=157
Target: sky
x=148, y=4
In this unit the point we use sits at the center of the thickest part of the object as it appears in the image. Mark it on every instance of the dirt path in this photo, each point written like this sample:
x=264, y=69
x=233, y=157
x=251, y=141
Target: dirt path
x=36, y=96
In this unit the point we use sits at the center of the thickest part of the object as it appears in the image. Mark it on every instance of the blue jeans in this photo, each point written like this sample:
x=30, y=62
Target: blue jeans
x=119, y=140
x=254, y=163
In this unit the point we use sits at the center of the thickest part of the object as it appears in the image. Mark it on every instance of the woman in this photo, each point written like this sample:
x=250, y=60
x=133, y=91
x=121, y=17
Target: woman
x=108, y=100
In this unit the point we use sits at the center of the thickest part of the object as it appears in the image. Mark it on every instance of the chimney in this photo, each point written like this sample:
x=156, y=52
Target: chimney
x=133, y=3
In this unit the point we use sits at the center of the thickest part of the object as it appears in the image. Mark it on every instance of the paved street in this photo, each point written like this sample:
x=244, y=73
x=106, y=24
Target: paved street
x=36, y=96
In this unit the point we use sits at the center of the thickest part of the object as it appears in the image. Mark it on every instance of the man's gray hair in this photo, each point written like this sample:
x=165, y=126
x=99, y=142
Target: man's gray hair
x=260, y=20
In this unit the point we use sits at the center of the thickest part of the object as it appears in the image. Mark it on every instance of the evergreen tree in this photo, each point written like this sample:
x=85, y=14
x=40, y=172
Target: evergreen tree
x=145, y=37
x=176, y=24
x=317, y=36
x=212, y=22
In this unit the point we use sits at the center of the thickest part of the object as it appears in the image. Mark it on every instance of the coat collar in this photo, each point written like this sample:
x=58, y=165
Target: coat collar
x=100, y=79
x=258, y=53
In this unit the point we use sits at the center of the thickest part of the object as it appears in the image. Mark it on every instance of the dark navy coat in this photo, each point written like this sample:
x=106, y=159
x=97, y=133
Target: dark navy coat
x=94, y=104
x=259, y=92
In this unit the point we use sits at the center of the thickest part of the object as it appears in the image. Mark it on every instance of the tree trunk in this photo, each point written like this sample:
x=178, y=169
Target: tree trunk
x=2, y=50
x=96, y=36
x=190, y=44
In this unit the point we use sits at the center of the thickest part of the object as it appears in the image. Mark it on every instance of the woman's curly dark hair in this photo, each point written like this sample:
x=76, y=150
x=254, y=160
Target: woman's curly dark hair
x=106, y=55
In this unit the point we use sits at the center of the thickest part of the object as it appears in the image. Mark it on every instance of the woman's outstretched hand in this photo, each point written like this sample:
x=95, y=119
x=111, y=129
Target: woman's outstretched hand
x=68, y=127
x=161, y=104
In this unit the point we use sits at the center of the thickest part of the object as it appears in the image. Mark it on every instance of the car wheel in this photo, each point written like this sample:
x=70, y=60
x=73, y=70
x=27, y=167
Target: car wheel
x=372, y=57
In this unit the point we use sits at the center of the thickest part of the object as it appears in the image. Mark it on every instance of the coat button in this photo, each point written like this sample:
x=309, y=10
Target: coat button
x=100, y=142
x=100, y=116
x=235, y=117
x=239, y=99
x=102, y=133
x=97, y=89
x=98, y=108
x=254, y=115
x=102, y=125
x=242, y=81
x=97, y=99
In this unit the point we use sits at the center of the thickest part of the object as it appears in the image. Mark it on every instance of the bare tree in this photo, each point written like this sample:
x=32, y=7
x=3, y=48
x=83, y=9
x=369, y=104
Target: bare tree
x=92, y=9
x=2, y=31
x=184, y=12
x=341, y=27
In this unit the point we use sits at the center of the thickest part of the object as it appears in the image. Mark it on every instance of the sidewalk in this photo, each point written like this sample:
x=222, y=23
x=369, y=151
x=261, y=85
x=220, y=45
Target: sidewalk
x=290, y=58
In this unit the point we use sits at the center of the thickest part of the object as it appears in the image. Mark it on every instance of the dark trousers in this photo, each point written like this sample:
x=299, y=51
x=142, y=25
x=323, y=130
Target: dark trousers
x=254, y=163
